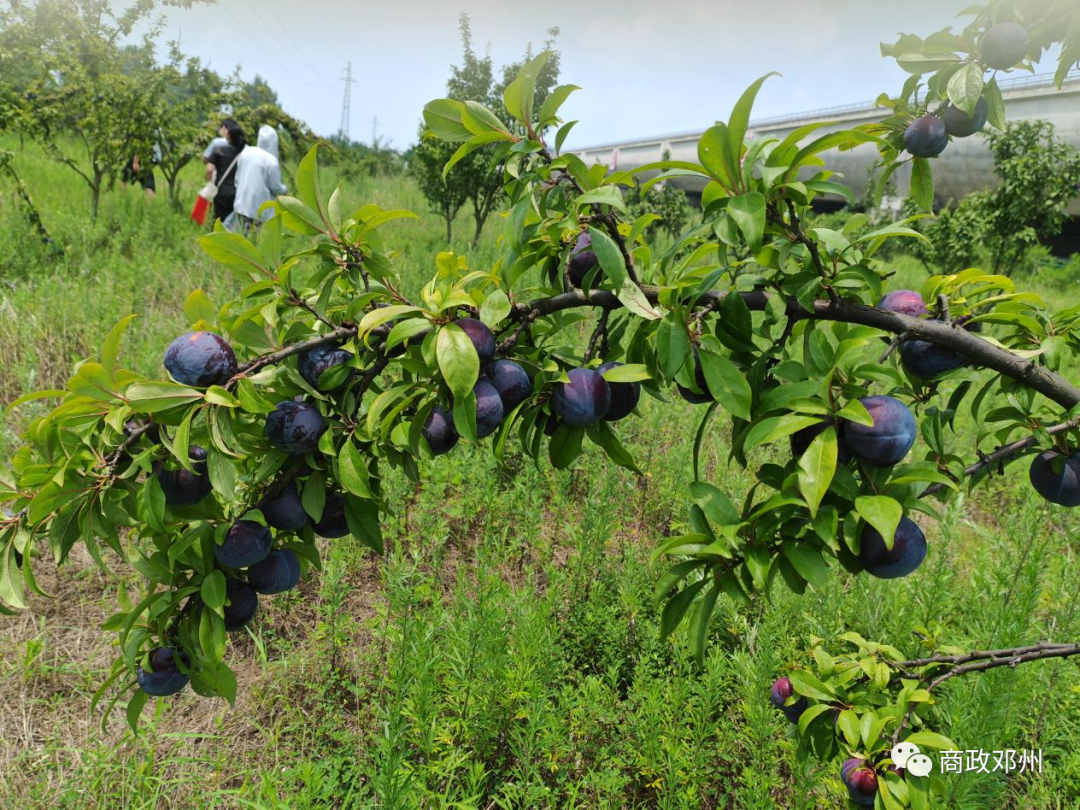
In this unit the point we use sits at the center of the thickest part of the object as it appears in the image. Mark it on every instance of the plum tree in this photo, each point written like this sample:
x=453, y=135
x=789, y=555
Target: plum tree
x=489, y=408
x=512, y=383
x=889, y=438
x=1056, y=476
x=584, y=399
x=907, y=552
x=185, y=487
x=926, y=137
x=316, y=361
x=285, y=511
x=860, y=780
x=200, y=359
x=482, y=338
x=241, y=604
x=164, y=676
x=333, y=522
x=583, y=259
x=246, y=543
x=624, y=395
x=961, y=125
x=277, y=573
x=295, y=427
x=1004, y=45
x=439, y=431
x=781, y=697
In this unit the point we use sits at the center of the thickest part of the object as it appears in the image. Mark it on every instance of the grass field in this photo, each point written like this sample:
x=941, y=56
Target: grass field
x=505, y=651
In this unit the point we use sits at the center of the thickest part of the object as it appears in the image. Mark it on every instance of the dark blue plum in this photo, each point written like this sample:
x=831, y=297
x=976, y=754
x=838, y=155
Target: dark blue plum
x=925, y=360
x=315, y=362
x=583, y=400
x=1004, y=45
x=241, y=604
x=960, y=125
x=905, y=302
x=439, y=431
x=781, y=691
x=200, y=359
x=860, y=780
x=624, y=396
x=907, y=553
x=333, y=522
x=482, y=338
x=186, y=487
x=801, y=439
x=512, y=383
x=246, y=543
x=279, y=572
x=926, y=137
x=164, y=676
x=295, y=427
x=285, y=511
x=582, y=259
x=1062, y=488
x=489, y=408
x=699, y=380
x=890, y=438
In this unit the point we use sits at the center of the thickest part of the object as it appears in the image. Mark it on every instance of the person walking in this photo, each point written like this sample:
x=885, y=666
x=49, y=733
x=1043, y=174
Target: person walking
x=222, y=138
x=221, y=169
x=258, y=180
x=135, y=171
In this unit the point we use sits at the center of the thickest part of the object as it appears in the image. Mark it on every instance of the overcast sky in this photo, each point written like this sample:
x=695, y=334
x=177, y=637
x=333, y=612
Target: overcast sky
x=646, y=67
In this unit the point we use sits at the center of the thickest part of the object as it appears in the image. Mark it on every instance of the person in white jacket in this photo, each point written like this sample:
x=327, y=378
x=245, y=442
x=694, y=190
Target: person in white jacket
x=258, y=180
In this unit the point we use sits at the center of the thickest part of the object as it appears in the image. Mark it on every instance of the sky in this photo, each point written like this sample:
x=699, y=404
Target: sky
x=646, y=68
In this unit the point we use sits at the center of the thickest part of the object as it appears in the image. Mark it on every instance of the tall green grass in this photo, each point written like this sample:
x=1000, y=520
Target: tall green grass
x=505, y=651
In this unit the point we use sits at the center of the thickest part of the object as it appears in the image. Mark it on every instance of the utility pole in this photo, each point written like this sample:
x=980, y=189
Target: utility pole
x=346, y=104
x=374, y=129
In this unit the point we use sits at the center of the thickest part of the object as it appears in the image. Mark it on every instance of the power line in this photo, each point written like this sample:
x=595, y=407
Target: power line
x=260, y=46
x=297, y=48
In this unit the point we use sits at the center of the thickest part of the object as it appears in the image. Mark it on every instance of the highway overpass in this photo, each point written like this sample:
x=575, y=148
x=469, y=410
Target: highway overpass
x=965, y=166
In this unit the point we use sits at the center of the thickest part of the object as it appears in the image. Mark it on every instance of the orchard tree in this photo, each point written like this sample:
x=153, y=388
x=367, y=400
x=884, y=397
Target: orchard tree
x=287, y=407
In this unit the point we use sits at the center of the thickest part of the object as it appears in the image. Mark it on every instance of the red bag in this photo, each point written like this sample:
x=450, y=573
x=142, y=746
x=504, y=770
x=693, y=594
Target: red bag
x=198, y=211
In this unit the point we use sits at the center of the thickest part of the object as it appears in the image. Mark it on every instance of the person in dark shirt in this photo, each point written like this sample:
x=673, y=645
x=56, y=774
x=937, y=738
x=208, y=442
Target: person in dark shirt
x=135, y=171
x=221, y=165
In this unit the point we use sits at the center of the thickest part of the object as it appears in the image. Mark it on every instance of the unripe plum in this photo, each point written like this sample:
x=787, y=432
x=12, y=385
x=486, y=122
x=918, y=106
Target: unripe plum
x=781, y=691
x=860, y=780
x=186, y=487
x=512, y=383
x=907, y=553
x=285, y=511
x=960, y=125
x=164, y=676
x=489, y=408
x=1004, y=45
x=279, y=572
x=582, y=260
x=624, y=396
x=295, y=427
x=200, y=359
x=333, y=522
x=926, y=137
x=482, y=338
x=246, y=543
x=583, y=400
x=1062, y=488
x=241, y=604
x=439, y=431
x=316, y=361
x=891, y=437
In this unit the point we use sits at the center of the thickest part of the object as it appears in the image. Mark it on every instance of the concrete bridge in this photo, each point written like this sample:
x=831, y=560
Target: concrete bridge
x=965, y=166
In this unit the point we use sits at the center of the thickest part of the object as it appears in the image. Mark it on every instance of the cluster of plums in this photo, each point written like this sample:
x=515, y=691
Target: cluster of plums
x=503, y=385
x=1003, y=46
x=857, y=774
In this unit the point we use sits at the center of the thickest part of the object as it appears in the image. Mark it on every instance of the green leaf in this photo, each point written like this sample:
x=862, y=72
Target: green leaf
x=478, y=119
x=495, y=308
x=777, y=427
x=555, y=100
x=816, y=469
x=353, y=471
x=213, y=590
x=715, y=504
x=848, y=723
x=235, y=252
x=922, y=183
x=714, y=152
x=307, y=184
x=152, y=397
x=699, y=626
x=807, y=560
x=627, y=373
x=881, y=512
x=918, y=63
x=808, y=685
x=458, y=361
x=748, y=211
x=135, y=708
x=406, y=330
x=110, y=348
x=216, y=395
x=931, y=739
x=727, y=384
x=605, y=195
x=444, y=118
x=677, y=606
x=740, y=115
x=966, y=87
x=672, y=344
x=472, y=145
x=518, y=95
x=377, y=317
x=995, y=105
